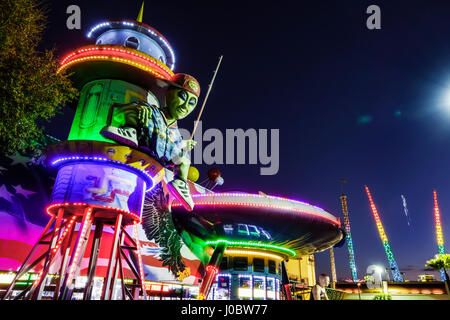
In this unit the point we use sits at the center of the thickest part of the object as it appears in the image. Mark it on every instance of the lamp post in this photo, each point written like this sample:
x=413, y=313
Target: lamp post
x=359, y=289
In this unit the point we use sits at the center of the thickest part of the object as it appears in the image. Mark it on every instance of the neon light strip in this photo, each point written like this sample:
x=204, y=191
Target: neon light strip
x=98, y=26
x=61, y=239
x=351, y=252
x=56, y=248
x=67, y=204
x=249, y=195
x=377, y=217
x=439, y=233
x=240, y=194
x=105, y=160
x=120, y=53
x=387, y=248
x=251, y=244
x=103, y=58
x=259, y=205
x=437, y=218
x=252, y=253
x=141, y=265
x=77, y=158
x=156, y=36
x=77, y=251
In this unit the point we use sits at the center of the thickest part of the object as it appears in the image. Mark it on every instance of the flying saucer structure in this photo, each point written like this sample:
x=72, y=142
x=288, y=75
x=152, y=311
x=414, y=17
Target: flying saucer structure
x=263, y=227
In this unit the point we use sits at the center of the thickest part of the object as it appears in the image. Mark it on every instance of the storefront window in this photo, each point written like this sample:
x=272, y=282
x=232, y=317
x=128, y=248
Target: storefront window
x=271, y=288
x=258, y=265
x=259, y=290
x=245, y=287
x=272, y=267
x=224, y=264
x=222, y=289
x=240, y=263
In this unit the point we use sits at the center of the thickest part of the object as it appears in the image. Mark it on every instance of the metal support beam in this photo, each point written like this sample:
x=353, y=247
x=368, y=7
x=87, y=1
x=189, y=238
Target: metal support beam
x=67, y=283
x=93, y=260
x=22, y=271
x=65, y=250
x=106, y=295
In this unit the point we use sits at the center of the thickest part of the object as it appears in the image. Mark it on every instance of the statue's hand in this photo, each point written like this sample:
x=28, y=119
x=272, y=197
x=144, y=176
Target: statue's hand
x=144, y=114
x=136, y=116
x=189, y=144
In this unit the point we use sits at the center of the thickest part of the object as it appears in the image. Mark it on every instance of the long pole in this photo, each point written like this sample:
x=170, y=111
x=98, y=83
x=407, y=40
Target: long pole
x=333, y=269
x=206, y=97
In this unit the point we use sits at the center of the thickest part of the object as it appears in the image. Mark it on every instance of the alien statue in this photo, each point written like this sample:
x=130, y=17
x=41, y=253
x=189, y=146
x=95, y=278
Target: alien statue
x=154, y=130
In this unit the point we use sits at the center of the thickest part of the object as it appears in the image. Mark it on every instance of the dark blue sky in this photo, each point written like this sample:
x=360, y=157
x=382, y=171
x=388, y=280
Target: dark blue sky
x=313, y=70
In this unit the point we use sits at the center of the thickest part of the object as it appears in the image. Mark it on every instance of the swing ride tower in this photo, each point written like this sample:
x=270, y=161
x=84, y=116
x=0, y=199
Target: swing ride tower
x=439, y=234
x=387, y=248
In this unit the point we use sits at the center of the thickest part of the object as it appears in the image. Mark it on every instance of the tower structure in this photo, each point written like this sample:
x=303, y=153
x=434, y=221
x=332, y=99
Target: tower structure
x=439, y=234
x=387, y=248
x=100, y=183
x=351, y=252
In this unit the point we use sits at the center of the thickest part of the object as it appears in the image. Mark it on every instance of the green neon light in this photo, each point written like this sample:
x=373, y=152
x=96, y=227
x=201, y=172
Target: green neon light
x=252, y=244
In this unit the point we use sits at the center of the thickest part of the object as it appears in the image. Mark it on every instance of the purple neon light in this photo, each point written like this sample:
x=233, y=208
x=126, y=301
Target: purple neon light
x=87, y=158
x=249, y=204
x=155, y=35
x=77, y=158
x=241, y=194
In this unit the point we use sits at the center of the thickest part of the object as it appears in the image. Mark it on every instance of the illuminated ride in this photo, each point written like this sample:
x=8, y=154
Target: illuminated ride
x=387, y=248
x=244, y=239
x=351, y=252
x=439, y=234
x=100, y=183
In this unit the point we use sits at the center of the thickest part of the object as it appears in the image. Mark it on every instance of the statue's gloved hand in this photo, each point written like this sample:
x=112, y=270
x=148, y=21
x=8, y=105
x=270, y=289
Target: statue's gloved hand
x=188, y=144
x=144, y=114
x=136, y=115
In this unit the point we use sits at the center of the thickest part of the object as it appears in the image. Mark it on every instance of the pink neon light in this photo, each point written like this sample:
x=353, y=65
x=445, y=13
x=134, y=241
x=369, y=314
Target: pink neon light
x=116, y=52
x=257, y=205
x=81, y=204
x=77, y=251
x=69, y=225
x=237, y=194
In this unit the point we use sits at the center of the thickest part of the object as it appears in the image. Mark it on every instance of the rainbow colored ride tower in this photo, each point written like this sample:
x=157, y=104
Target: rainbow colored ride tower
x=99, y=182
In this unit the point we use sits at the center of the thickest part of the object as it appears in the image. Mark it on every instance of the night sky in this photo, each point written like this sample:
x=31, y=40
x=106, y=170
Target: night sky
x=367, y=106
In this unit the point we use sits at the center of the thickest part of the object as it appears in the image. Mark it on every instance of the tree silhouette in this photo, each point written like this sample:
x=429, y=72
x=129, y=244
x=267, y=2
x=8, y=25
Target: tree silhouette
x=31, y=90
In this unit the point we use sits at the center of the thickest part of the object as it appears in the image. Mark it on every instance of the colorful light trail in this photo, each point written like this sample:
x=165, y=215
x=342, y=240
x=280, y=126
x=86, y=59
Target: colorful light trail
x=439, y=234
x=351, y=252
x=387, y=248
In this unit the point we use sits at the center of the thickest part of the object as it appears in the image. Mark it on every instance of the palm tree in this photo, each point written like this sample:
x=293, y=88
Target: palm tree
x=440, y=262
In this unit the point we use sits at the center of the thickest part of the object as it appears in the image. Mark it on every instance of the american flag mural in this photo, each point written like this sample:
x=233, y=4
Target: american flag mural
x=25, y=189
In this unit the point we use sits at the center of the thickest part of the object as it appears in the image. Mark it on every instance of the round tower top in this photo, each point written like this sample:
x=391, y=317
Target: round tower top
x=136, y=35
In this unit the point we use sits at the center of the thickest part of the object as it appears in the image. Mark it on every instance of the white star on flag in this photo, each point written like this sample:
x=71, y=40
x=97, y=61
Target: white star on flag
x=23, y=191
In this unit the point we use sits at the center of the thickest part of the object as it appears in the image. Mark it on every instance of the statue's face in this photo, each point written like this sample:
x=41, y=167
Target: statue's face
x=180, y=103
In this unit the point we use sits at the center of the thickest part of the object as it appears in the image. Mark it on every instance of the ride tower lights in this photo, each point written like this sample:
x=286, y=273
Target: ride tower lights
x=387, y=248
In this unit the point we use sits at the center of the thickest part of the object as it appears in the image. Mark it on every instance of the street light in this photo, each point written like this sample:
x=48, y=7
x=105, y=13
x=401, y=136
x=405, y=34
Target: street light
x=379, y=269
